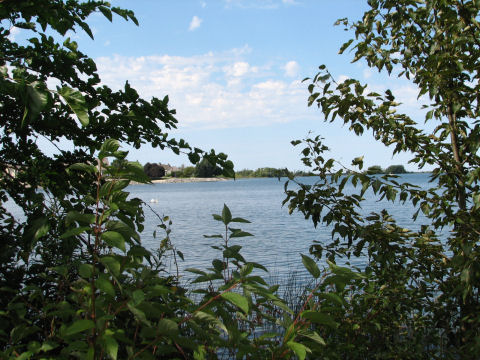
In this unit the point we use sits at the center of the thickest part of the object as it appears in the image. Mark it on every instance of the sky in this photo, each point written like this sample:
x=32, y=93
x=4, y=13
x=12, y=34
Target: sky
x=233, y=71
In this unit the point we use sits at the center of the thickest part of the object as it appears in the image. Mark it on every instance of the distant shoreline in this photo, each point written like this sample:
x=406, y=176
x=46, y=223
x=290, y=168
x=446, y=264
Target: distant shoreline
x=187, y=180
x=216, y=179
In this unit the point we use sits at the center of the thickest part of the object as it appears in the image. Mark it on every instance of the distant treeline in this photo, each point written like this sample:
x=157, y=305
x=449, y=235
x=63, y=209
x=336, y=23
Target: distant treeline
x=205, y=169
x=392, y=169
x=269, y=172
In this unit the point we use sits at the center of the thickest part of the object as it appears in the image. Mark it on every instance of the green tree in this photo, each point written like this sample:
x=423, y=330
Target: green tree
x=422, y=295
x=396, y=169
x=206, y=169
x=154, y=171
x=244, y=173
x=79, y=112
x=75, y=280
x=186, y=172
x=115, y=299
x=375, y=169
x=57, y=239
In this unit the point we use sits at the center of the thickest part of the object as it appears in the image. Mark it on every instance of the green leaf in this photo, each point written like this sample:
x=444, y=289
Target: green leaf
x=85, y=270
x=83, y=167
x=226, y=215
x=79, y=326
x=114, y=239
x=299, y=349
x=25, y=356
x=37, y=99
x=37, y=229
x=180, y=255
x=75, y=216
x=203, y=316
x=240, y=220
x=103, y=283
x=236, y=299
x=138, y=296
x=48, y=345
x=112, y=264
x=21, y=331
x=121, y=227
x=200, y=353
x=193, y=157
x=217, y=217
x=236, y=233
x=109, y=146
x=218, y=265
x=76, y=102
x=311, y=266
x=196, y=271
x=258, y=266
x=111, y=346
x=167, y=326
x=319, y=318
x=139, y=314
x=344, y=271
x=313, y=335
x=106, y=12
x=246, y=270
x=345, y=46
x=333, y=298
x=75, y=232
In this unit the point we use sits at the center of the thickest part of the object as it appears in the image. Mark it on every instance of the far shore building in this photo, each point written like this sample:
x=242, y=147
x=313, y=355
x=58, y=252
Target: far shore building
x=169, y=169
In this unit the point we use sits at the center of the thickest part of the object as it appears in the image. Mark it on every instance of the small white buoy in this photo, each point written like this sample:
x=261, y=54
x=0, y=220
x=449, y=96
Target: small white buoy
x=154, y=201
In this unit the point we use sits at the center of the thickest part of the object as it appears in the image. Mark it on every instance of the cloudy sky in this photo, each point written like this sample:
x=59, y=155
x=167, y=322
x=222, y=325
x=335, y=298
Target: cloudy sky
x=233, y=71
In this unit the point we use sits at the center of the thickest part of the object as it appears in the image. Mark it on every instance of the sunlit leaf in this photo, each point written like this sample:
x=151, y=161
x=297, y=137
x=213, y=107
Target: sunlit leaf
x=236, y=299
x=76, y=102
x=79, y=326
x=311, y=266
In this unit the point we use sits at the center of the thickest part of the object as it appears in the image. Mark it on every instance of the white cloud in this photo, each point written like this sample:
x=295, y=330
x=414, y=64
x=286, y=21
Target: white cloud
x=239, y=69
x=291, y=69
x=14, y=31
x=342, y=78
x=195, y=23
x=212, y=90
x=203, y=4
x=367, y=73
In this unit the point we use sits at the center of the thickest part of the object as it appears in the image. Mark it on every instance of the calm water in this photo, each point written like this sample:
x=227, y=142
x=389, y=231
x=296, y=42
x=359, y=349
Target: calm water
x=279, y=237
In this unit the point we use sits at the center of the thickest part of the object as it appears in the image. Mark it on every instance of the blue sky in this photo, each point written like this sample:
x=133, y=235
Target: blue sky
x=233, y=71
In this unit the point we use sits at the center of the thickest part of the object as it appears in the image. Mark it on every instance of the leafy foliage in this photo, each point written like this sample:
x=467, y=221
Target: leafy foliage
x=154, y=171
x=395, y=169
x=270, y=173
x=75, y=117
x=186, y=172
x=76, y=282
x=206, y=169
x=392, y=169
x=112, y=299
x=375, y=169
x=421, y=297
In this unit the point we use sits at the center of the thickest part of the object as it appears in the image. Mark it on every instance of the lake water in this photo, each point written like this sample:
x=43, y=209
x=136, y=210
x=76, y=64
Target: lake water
x=279, y=238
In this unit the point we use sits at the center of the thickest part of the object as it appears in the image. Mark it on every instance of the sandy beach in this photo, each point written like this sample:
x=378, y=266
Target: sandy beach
x=187, y=180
